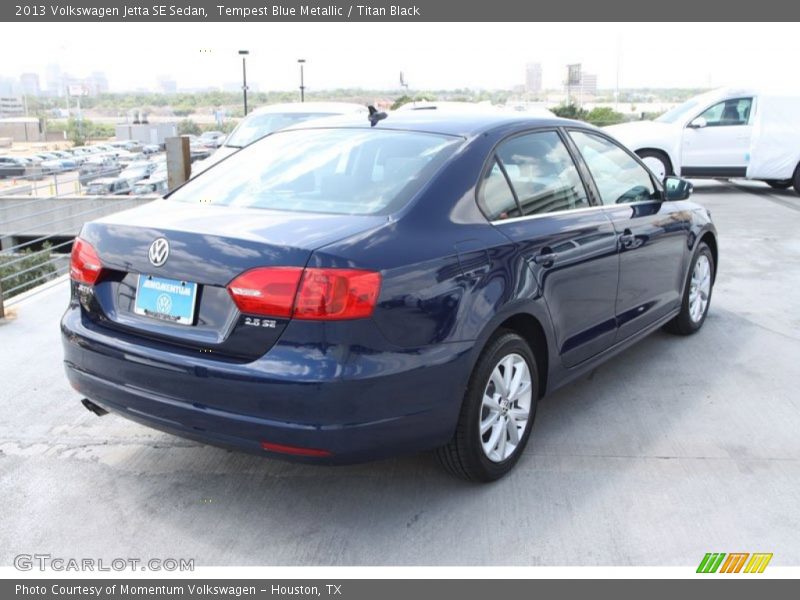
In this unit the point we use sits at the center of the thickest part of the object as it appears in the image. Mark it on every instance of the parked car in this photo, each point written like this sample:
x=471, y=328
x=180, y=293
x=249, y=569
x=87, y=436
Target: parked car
x=11, y=166
x=370, y=288
x=147, y=187
x=160, y=171
x=150, y=149
x=212, y=139
x=108, y=186
x=98, y=166
x=263, y=121
x=128, y=145
x=71, y=154
x=724, y=133
x=135, y=173
x=66, y=161
x=126, y=159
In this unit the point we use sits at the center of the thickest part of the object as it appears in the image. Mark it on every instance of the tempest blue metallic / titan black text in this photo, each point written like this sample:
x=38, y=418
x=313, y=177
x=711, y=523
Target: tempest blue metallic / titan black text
x=352, y=289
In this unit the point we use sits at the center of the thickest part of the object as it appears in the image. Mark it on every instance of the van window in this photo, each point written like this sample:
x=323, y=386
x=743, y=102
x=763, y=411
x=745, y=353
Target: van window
x=735, y=111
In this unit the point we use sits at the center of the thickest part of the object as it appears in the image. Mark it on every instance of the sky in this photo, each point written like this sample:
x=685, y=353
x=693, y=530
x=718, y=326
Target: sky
x=432, y=55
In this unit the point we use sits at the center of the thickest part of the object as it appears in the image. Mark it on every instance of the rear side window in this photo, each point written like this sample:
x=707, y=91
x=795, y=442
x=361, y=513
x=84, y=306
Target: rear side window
x=542, y=173
x=343, y=171
x=496, y=198
x=619, y=178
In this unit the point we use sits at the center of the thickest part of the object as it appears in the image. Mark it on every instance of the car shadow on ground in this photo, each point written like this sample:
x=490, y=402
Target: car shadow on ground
x=619, y=410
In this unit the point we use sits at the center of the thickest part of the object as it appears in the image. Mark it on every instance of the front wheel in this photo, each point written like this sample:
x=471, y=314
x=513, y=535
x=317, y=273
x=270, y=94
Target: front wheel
x=697, y=295
x=497, y=414
x=796, y=179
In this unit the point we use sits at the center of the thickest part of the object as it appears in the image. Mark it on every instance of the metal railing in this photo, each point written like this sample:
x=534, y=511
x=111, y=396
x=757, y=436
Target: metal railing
x=39, y=219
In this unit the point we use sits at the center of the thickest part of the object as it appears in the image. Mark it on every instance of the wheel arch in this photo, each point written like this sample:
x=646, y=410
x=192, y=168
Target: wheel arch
x=529, y=328
x=663, y=151
x=711, y=241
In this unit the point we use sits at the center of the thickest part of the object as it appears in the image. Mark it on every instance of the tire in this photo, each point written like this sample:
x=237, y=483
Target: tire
x=485, y=457
x=658, y=162
x=796, y=179
x=779, y=184
x=692, y=316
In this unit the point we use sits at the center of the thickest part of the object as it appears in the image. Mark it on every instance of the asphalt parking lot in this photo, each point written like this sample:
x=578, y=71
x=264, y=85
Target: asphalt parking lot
x=675, y=448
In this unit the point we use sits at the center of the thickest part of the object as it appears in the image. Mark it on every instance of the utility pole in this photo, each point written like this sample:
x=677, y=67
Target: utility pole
x=302, y=62
x=244, y=54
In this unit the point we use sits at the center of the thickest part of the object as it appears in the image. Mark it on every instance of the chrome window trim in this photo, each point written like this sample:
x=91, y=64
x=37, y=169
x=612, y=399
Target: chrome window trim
x=568, y=211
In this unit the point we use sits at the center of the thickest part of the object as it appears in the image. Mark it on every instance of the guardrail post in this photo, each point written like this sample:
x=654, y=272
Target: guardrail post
x=2, y=309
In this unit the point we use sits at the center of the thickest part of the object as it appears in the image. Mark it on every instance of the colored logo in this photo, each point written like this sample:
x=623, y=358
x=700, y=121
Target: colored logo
x=735, y=562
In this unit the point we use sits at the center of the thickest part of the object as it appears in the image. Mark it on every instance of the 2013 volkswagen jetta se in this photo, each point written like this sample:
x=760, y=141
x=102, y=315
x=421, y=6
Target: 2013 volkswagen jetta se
x=353, y=289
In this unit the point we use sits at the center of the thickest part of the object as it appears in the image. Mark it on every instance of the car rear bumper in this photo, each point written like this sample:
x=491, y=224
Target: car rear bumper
x=378, y=404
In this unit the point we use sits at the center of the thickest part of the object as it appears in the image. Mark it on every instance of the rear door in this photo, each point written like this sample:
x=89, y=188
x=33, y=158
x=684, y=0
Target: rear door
x=722, y=147
x=652, y=234
x=534, y=194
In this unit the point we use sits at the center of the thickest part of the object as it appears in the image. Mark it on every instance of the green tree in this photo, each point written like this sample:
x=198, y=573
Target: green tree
x=570, y=111
x=189, y=127
x=604, y=115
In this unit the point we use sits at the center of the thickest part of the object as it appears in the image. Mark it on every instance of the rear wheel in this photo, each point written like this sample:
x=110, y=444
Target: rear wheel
x=697, y=296
x=657, y=162
x=497, y=414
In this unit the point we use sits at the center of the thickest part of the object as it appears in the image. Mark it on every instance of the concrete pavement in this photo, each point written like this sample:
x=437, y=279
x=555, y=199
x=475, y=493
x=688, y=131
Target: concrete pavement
x=675, y=448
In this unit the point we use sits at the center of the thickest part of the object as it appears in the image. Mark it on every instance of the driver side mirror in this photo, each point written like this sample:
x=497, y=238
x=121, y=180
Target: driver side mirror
x=698, y=123
x=677, y=188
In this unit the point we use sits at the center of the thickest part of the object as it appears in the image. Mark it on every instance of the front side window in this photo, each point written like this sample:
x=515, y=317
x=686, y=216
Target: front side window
x=619, y=178
x=542, y=173
x=731, y=112
x=342, y=171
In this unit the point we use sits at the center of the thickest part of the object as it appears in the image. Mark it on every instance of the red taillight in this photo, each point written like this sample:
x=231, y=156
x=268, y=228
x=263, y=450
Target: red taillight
x=296, y=450
x=318, y=294
x=337, y=294
x=266, y=291
x=85, y=266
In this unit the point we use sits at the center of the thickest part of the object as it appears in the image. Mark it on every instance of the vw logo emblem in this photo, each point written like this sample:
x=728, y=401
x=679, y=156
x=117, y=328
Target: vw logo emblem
x=164, y=304
x=159, y=252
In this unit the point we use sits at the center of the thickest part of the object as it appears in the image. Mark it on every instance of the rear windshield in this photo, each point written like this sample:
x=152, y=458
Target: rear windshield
x=343, y=171
x=255, y=127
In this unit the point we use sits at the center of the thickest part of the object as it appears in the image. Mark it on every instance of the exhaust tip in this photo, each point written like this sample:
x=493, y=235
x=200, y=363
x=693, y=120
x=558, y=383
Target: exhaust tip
x=92, y=407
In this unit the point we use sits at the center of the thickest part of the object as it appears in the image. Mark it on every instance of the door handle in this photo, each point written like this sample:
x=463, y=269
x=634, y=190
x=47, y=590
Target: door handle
x=545, y=258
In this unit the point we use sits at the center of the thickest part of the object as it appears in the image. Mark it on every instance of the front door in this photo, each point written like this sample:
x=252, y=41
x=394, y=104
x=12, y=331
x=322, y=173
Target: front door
x=652, y=234
x=719, y=145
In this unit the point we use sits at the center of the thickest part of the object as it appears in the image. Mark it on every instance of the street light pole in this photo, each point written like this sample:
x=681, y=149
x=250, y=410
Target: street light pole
x=244, y=54
x=302, y=62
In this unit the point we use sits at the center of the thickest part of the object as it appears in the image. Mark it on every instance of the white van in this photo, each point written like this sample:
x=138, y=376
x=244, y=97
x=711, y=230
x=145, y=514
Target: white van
x=724, y=134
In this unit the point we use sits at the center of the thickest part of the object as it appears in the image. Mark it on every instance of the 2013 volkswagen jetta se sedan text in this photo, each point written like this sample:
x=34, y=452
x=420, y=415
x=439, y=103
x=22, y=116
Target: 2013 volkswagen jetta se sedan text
x=354, y=289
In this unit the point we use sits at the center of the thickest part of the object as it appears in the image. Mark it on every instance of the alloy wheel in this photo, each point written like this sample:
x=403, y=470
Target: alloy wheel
x=506, y=407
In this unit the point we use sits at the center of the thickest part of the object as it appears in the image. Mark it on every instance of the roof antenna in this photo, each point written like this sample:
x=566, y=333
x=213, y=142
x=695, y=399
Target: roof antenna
x=375, y=115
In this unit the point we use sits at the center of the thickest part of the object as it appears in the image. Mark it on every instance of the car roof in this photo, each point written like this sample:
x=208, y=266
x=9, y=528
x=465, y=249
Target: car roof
x=459, y=123
x=105, y=180
x=306, y=107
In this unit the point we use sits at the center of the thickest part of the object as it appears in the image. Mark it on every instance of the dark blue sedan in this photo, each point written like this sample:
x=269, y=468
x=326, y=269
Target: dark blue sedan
x=354, y=289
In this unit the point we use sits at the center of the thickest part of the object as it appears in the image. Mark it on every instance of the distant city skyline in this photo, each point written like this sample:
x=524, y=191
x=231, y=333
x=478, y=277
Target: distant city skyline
x=370, y=56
